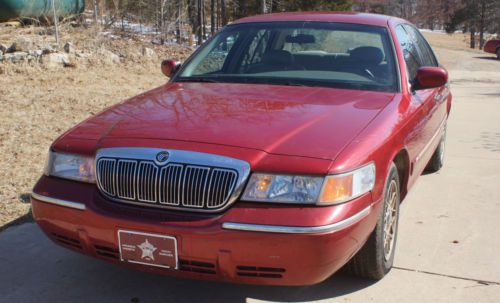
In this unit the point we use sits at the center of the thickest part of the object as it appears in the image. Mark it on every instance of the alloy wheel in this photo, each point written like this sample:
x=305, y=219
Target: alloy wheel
x=390, y=220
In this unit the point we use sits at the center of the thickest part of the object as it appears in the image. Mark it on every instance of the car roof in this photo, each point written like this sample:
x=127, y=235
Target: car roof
x=345, y=17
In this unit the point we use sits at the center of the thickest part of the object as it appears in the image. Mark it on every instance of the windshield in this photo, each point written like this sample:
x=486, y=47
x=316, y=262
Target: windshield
x=340, y=55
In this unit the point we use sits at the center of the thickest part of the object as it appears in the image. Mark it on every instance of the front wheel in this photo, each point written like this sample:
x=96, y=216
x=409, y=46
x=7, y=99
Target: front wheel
x=437, y=160
x=375, y=258
x=498, y=53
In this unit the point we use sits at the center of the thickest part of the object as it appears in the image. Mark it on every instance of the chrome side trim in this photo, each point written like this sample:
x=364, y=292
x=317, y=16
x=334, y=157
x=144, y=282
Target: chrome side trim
x=299, y=229
x=59, y=202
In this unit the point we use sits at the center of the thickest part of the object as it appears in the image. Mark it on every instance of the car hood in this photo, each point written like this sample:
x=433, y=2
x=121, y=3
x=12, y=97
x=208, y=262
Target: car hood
x=287, y=120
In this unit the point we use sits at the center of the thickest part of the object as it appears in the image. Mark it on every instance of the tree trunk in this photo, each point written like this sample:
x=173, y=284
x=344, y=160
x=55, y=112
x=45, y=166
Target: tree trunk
x=263, y=6
x=95, y=11
x=161, y=23
x=56, y=25
x=200, y=23
x=212, y=17
x=178, y=23
x=103, y=11
x=223, y=12
x=204, y=23
x=472, y=37
x=481, y=25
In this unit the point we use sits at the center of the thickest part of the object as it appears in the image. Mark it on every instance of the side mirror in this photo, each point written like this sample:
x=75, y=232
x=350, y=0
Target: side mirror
x=169, y=67
x=430, y=77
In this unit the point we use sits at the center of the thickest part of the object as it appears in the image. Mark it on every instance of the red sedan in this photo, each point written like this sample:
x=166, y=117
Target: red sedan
x=278, y=153
x=493, y=47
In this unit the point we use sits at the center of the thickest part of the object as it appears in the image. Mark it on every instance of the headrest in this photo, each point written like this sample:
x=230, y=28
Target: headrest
x=367, y=54
x=277, y=57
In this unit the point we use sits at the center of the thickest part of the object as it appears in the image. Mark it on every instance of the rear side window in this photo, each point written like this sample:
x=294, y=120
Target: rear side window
x=410, y=52
x=427, y=56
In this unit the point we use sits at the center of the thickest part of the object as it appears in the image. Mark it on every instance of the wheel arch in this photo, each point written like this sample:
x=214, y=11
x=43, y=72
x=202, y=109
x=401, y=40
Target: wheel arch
x=402, y=162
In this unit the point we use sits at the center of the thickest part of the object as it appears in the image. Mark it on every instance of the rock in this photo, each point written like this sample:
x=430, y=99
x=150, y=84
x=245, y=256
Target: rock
x=72, y=61
x=19, y=56
x=22, y=44
x=82, y=55
x=15, y=57
x=55, y=59
x=3, y=48
x=47, y=49
x=148, y=52
x=110, y=57
x=69, y=48
x=12, y=24
x=7, y=57
x=35, y=53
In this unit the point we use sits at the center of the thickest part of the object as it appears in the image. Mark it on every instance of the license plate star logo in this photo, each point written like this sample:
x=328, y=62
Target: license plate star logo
x=147, y=250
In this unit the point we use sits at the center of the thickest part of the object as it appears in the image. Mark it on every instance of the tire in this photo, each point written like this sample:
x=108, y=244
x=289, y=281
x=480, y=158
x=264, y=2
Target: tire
x=437, y=160
x=374, y=260
x=498, y=53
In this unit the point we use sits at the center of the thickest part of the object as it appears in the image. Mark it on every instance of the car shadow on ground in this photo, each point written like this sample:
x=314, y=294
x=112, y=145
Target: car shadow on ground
x=493, y=58
x=35, y=268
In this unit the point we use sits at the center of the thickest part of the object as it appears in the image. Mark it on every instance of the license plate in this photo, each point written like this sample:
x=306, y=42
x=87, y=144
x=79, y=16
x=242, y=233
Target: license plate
x=148, y=249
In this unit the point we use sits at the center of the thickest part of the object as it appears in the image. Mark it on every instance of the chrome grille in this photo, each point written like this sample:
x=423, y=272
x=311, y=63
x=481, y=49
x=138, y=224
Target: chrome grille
x=125, y=179
x=105, y=175
x=147, y=182
x=170, y=184
x=174, y=185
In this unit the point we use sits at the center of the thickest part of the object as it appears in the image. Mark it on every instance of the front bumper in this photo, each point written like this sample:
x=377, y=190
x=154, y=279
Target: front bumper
x=248, y=243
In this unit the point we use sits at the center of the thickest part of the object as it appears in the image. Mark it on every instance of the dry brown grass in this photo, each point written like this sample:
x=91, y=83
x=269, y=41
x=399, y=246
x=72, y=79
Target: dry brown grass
x=37, y=104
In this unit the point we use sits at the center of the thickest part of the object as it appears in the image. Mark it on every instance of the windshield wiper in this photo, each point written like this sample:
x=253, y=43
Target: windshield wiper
x=273, y=81
x=291, y=83
x=197, y=79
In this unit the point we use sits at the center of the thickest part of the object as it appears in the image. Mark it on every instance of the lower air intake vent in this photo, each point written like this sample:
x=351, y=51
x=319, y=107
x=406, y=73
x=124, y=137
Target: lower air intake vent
x=261, y=272
x=67, y=241
x=196, y=266
x=107, y=252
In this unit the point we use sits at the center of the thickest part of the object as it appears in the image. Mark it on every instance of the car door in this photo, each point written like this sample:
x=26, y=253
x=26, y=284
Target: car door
x=421, y=103
x=434, y=99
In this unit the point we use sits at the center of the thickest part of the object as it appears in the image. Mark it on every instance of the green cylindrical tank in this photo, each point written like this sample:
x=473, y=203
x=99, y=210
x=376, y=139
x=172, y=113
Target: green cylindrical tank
x=18, y=9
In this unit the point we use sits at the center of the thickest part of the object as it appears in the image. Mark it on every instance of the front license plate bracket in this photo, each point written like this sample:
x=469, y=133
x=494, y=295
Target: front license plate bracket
x=148, y=249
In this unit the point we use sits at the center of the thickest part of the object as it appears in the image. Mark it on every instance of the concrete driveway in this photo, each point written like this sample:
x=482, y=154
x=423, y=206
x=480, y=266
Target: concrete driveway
x=448, y=247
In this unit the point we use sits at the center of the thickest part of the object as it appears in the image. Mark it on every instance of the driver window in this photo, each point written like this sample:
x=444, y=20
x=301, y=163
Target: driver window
x=410, y=52
x=217, y=56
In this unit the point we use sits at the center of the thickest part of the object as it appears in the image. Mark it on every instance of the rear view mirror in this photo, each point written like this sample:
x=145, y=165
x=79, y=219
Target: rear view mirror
x=430, y=77
x=169, y=67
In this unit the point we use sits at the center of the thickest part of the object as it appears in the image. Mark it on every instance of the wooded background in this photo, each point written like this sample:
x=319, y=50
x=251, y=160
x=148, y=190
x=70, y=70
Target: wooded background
x=180, y=20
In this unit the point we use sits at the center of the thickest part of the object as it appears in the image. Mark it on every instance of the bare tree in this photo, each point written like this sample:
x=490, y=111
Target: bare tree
x=56, y=17
x=212, y=17
x=200, y=22
x=223, y=12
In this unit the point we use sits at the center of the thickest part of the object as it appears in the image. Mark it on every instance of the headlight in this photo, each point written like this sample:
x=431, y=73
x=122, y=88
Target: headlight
x=331, y=189
x=71, y=166
x=344, y=187
x=283, y=188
